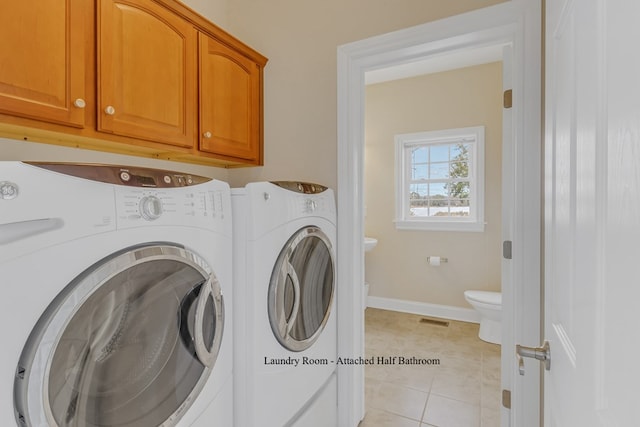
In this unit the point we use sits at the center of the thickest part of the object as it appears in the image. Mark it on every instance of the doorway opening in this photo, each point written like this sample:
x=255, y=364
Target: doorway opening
x=498, y=25
x=456, y=91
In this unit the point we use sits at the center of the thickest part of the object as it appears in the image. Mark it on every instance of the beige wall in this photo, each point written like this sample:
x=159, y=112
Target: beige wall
x=217, y=11
x=397, y=267
x=31, y=151
x=300, y=39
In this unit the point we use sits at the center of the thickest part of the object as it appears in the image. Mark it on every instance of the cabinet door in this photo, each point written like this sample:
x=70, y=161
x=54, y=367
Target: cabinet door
x=42, y=60
x=230, y=102
x=147, y=65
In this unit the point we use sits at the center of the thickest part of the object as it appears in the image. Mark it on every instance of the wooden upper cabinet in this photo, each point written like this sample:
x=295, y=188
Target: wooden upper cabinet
x=147, y=72
x=42, y=60
x=143, y=77
x=230, y=102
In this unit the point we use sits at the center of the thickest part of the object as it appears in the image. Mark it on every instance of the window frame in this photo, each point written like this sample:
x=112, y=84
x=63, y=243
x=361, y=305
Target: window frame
x=403, y=145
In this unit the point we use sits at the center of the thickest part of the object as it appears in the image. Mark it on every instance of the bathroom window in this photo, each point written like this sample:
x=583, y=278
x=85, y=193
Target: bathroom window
x=440, y=180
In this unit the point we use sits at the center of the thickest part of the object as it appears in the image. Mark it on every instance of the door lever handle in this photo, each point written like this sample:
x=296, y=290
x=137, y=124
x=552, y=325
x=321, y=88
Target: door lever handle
x=543, y=354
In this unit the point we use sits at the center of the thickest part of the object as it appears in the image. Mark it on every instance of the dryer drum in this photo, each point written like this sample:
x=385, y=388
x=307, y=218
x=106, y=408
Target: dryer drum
x=111, y=349
x=301, y=289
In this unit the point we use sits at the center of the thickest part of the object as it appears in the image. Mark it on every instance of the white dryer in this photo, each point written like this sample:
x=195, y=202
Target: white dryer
x=116, y=297
x=284, y=287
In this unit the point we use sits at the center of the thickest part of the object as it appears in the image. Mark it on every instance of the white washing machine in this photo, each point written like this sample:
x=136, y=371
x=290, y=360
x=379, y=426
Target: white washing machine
x=116, y=297
x=284, y=292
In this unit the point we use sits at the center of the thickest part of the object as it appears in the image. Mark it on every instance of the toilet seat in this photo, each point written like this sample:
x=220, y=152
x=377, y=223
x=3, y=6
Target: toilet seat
x=484, y=297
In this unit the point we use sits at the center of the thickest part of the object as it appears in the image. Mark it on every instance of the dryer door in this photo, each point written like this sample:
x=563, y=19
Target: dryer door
x=301, y=289
x=130, y=342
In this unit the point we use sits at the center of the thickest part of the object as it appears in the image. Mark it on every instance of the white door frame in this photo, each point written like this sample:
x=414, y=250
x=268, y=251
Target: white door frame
x=518, y=23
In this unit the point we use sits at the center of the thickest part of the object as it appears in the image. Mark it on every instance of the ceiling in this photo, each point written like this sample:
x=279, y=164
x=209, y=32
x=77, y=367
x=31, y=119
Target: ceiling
x=436, y=64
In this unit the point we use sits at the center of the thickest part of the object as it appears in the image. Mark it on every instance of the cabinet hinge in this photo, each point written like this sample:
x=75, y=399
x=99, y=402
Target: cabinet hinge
x=506, y=398
x=506, y=98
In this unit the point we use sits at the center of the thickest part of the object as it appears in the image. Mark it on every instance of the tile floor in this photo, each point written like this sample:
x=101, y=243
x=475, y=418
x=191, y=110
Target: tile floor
x=462, y=391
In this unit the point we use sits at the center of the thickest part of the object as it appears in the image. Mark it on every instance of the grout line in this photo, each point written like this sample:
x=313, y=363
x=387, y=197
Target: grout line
x=388, y=324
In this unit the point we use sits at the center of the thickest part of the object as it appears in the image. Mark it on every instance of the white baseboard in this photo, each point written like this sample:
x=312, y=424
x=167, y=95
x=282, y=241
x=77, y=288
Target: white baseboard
x=425, y=309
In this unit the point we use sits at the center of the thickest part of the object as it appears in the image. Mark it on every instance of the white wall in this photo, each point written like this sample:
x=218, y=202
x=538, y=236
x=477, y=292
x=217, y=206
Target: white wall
x=397, y=267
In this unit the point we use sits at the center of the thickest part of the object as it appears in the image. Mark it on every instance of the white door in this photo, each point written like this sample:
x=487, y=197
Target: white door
x=592, y=213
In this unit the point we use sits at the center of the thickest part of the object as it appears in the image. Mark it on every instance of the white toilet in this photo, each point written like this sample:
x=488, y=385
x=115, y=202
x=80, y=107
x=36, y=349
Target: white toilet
x=489, y=305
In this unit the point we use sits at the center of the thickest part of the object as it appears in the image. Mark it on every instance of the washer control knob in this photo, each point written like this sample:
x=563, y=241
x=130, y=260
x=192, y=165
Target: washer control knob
x=125, y=176
x=150, y=208
x=8, y=190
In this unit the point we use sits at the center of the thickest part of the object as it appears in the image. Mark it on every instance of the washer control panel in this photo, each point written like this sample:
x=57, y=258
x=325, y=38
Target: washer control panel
x=130, y=176
x=197, y=206
x=300, y=187
x=312, y=204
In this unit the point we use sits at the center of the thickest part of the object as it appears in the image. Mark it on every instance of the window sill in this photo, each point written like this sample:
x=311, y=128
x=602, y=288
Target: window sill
x=421, y=225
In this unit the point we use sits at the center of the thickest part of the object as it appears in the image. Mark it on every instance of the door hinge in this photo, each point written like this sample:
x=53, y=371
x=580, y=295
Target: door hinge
x=507, y=98
x=506, y=249
x=506, y=398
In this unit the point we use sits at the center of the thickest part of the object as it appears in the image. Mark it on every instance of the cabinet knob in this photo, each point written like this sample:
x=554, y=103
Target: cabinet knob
x=110, y=110
x=79, y=103
x=207, y=134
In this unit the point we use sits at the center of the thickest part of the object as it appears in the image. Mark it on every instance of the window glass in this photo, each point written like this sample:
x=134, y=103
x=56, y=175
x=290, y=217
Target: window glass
x=439, y=170
x=440, y=180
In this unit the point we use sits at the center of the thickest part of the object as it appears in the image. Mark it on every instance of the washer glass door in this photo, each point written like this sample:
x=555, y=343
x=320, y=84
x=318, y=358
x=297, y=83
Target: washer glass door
x=301, y=289
x=129, y=343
